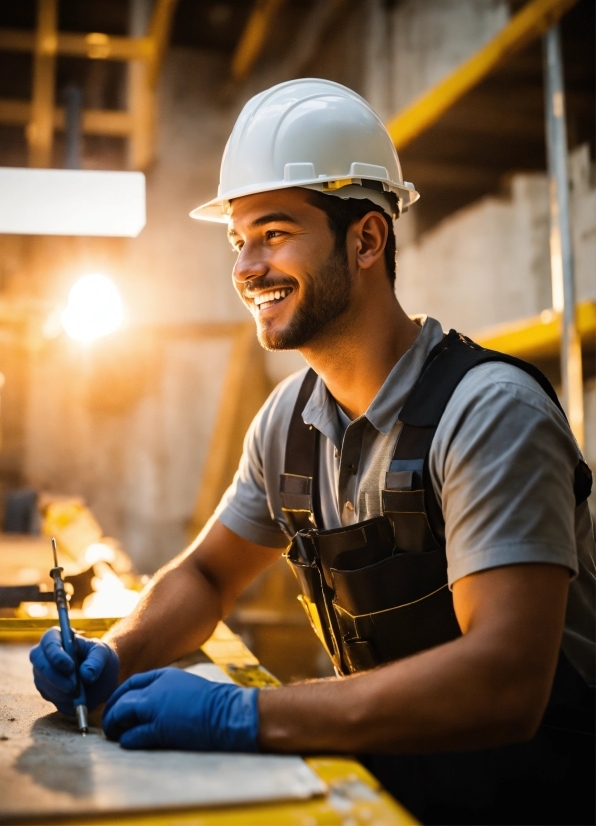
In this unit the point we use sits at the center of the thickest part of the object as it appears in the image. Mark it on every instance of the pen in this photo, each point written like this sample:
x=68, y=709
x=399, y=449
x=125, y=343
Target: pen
x=80, y=701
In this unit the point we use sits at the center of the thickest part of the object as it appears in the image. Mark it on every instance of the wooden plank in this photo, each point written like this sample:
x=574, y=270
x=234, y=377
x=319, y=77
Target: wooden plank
x=159, y=35
x=15, y=112
x=99, y=46
x=452, y=176
x=532, y=21
x=117, y=123
x=40, y=130
x=95, y=45
x=253, y=37
x=17, y=40
x=245, y=388
x=141, y=148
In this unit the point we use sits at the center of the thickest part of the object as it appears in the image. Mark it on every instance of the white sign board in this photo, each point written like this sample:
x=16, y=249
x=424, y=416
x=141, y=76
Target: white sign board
x=71, y=202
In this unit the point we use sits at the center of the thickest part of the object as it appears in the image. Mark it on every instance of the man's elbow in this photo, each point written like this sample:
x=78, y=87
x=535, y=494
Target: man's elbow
x=521, y=706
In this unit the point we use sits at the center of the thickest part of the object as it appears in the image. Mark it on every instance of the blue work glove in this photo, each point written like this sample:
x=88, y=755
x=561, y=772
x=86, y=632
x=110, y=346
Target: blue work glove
x=171, y=709
x=54, y=671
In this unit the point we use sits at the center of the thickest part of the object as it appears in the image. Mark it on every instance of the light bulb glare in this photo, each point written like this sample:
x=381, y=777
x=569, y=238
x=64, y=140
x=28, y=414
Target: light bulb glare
x=94, y=308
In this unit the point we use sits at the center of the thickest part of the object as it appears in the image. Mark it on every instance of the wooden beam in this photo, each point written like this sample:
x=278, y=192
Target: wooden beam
x=113, y=122
x=15, y=112
x=159, y=35
x=141, y=148
x=528, y=24
x=452, y=176
x=253, y=37
x=244, y=390
x=40, y=130
x=95, y=45
x=142, y=80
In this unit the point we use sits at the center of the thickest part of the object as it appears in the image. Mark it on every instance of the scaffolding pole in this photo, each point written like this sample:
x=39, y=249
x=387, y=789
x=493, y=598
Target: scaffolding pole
x=561, y=251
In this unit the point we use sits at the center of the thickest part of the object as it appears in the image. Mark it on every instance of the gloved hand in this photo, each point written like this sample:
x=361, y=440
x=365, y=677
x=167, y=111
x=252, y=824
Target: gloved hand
x=54, y=670
x=171, y=709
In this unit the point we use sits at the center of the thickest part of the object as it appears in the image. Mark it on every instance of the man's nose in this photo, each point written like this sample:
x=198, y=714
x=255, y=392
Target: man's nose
x=249, y=264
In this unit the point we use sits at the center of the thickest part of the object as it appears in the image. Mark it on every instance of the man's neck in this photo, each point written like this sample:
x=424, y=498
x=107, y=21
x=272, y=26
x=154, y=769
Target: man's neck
x=356, y=357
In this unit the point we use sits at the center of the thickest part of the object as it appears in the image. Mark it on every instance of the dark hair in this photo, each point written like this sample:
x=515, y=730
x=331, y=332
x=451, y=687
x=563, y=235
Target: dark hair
x=343, y=212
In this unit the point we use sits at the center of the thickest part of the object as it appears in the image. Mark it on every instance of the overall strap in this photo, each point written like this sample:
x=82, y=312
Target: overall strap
x=445, y=367
x=443, y=370
x=297, y=484
x=408, y=487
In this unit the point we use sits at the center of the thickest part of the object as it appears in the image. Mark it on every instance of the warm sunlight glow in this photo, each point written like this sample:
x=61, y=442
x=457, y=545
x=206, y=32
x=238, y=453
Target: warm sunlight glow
x=111, y=598
x=98, y=552
x=94, y=308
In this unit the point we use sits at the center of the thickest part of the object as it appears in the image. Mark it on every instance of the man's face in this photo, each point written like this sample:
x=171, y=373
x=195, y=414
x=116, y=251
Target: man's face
x=288, y=272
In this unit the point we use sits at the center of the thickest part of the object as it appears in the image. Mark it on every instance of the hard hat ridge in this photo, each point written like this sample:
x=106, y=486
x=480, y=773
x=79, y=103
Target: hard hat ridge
x=310, y=133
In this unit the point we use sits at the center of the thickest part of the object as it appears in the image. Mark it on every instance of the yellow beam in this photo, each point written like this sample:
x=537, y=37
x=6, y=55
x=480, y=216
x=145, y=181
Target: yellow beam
x=40, y=130
x=253, y=37
x=95, y=45
x=528, y=24
x=538, y=337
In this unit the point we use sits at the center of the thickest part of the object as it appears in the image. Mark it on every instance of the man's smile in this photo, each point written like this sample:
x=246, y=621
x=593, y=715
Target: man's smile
x=263, y=300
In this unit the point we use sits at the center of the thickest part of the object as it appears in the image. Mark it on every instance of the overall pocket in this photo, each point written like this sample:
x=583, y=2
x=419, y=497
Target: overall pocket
x=398, y=607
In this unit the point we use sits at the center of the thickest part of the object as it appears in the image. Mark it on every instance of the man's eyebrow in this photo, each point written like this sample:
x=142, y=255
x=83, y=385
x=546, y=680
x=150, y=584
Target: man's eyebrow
x=270, y=218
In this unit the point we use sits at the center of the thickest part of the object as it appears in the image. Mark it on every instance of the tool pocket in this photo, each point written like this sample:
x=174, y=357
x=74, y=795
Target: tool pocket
x=314, y=600
x=398, y=606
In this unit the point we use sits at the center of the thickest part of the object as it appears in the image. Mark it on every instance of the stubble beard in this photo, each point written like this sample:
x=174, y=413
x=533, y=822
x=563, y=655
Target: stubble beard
x=325, y=298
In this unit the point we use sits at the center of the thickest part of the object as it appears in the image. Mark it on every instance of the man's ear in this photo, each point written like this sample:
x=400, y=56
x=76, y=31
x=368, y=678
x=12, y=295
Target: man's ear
x=370, y=237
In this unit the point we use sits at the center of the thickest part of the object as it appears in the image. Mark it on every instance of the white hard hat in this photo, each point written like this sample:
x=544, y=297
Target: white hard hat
x=310, y=133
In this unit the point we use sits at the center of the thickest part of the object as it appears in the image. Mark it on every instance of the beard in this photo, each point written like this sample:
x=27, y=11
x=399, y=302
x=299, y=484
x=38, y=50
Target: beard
x=325, y=298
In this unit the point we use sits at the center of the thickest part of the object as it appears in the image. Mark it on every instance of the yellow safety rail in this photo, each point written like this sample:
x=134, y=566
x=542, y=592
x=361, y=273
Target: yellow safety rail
x=528, y=24
x=538, y=337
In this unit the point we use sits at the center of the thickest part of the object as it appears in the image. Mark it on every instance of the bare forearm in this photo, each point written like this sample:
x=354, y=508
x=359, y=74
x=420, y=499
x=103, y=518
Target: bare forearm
x=186, y=599
x=176, y=614
x=449, y=698
x=486, y=688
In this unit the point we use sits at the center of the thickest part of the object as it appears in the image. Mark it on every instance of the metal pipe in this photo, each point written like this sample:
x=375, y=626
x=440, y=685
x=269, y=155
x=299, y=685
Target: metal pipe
x=561, y=250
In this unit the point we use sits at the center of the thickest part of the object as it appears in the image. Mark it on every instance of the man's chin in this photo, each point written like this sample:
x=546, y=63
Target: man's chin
x=272, y=339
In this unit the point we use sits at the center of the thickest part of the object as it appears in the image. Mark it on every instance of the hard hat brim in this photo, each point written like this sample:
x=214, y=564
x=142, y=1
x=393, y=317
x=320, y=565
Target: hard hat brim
x=216, y=209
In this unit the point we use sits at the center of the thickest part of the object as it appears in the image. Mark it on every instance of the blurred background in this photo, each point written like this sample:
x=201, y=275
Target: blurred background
x=121, y=437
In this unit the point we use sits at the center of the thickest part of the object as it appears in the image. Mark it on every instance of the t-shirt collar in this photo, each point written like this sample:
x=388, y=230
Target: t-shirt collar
x=321, y=410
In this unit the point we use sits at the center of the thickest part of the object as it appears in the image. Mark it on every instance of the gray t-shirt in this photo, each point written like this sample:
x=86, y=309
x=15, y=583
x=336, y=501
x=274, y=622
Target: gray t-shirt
x=501, y=463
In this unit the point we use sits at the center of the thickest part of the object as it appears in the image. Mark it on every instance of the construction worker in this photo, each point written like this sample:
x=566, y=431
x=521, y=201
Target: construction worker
x=430, y=493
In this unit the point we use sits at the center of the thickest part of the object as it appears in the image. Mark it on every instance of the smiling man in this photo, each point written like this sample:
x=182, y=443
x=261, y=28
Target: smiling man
x=430, y=495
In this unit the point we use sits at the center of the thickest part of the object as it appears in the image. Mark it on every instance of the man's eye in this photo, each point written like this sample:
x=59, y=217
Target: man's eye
x=273, y=233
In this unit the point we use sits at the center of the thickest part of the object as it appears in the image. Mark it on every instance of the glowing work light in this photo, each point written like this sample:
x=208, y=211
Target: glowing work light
x=94, y=308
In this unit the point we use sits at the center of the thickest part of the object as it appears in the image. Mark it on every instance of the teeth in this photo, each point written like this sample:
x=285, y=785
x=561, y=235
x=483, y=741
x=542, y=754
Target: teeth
x=264, y=300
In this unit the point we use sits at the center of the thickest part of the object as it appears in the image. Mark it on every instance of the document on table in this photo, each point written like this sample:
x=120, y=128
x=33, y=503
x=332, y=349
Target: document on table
x=47, y=767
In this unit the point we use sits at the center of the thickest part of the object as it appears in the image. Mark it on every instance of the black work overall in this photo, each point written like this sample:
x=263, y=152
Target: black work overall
x=377, y=591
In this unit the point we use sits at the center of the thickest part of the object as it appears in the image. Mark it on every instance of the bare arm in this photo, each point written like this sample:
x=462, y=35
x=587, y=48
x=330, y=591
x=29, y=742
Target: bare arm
x=185, y=599
x=484, y=689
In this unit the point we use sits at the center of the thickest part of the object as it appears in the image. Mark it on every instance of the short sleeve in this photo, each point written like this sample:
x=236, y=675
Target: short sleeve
x=502, y=465
x=250, y=505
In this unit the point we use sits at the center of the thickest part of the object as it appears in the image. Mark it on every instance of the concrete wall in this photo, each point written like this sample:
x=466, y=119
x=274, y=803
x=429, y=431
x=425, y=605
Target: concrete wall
x=490, y=263
x=412, y=45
